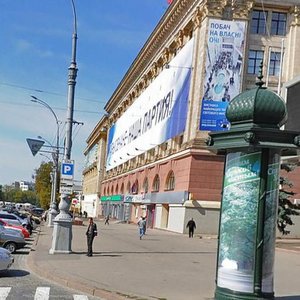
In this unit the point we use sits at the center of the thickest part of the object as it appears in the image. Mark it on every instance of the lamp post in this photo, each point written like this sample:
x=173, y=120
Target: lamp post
x=54, y=178
x=71, y=87
x=52, y=212
x=62, y=232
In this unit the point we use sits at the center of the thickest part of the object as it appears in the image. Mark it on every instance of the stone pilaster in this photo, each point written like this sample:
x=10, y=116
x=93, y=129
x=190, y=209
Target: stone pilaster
x=241, y=9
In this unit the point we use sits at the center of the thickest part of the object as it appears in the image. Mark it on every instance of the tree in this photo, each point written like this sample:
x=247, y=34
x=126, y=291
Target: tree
x=1, y=194
x=43, y=184
x=12, y=194
x=286, y=208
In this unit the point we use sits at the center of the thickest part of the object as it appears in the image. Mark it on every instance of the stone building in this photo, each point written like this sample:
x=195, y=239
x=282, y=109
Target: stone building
x=152, y=158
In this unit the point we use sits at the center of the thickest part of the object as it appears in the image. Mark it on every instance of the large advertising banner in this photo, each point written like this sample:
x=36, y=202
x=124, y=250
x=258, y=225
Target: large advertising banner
x=157, y=115
x=224, y=60
x=237, y=245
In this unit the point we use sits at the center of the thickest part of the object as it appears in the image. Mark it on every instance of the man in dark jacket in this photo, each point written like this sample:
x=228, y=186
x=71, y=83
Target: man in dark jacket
x=90, y=234
x=191, y=225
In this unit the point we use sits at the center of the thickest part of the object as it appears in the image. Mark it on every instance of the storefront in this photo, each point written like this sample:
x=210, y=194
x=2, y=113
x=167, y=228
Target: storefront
x=162, y=210
x=170, y=210
x=113, y=206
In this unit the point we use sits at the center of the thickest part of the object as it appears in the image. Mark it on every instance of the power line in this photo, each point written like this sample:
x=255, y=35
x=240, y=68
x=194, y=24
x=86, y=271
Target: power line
x=48, y=92
x=57, y=108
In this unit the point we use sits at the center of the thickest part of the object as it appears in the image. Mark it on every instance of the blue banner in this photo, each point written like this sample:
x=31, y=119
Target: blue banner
x=213, y=116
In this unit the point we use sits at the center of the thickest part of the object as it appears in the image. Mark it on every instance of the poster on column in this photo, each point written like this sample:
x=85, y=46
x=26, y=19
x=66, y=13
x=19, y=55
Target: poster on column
x=223, y=70
x=270, y=223
x=237, y=244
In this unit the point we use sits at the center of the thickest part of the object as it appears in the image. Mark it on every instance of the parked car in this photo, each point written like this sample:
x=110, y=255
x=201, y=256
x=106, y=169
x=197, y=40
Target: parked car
x=26, y=214
x=11, y=239
x=37, y=211
x=24, y=231
x=13, y=219
x=6, y=259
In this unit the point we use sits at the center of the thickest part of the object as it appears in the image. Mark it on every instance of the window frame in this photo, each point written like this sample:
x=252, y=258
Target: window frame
x=274, y=63
x=146, y=185
x=256, y=61
x=170, y=182
x=276, y=22
x=259, y=24
x=156, y=183
x=135, y=188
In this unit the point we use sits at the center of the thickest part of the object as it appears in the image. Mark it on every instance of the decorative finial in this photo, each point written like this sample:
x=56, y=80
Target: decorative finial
x=260, y=76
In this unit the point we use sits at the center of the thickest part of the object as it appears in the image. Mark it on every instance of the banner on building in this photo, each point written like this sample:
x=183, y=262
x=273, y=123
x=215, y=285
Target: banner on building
x=157, y=115
x=223, y=70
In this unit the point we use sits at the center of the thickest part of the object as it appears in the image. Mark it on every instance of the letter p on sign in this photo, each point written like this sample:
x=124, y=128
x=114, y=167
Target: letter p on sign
x=67, y=170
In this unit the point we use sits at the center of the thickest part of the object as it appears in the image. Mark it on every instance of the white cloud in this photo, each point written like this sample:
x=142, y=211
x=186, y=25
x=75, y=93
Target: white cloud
x=26, y=46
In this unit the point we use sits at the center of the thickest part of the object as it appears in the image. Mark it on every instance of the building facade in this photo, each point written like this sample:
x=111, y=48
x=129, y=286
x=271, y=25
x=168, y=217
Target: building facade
x=201, y=54
x=94, y=169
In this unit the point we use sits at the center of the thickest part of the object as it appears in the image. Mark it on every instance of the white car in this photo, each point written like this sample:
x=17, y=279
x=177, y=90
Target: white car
x=6, y=259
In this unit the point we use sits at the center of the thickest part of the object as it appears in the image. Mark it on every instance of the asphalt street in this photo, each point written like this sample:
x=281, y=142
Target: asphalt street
x=163, y=265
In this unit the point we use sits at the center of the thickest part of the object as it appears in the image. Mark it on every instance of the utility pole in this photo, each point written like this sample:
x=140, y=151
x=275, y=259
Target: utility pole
x=62, y=232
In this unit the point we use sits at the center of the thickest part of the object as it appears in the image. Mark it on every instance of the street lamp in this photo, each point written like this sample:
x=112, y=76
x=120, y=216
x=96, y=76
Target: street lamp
x=71, y=87
x=53, y=186
x=54, y=180
x=62, y=232
x=55, y=155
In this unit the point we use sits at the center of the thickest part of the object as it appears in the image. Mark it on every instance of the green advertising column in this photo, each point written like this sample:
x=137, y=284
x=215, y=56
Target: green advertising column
x=248, y=217
x=247, y=230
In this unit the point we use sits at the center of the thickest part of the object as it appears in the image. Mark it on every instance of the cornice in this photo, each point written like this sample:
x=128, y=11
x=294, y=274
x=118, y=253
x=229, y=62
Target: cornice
x=162, y=33
x=98, y=131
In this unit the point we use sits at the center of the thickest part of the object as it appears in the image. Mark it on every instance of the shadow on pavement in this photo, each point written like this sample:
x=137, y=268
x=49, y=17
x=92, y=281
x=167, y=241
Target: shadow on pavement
x=13, y=273
x=296, y=297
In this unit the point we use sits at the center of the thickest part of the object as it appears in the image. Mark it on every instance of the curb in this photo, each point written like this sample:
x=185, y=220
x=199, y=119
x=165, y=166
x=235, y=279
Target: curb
x=71, y=282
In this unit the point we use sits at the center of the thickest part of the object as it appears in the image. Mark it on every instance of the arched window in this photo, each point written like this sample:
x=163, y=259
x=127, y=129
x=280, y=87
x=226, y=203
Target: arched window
x=122, y=188
x=170, y=182
x=104, y=191
x=145, y=185
x=135, y=187
x=112, y=190
x=155, y=185
x=128, y=187
x=117, y=189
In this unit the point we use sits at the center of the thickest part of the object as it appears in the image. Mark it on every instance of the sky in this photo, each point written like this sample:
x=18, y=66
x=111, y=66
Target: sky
x=35, y=54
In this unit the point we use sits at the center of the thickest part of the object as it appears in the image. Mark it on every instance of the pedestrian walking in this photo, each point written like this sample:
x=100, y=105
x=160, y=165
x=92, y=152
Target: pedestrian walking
x=145, y=224
x=192, y=226
x=141, y=224
x=90, y=234
x=106, y=220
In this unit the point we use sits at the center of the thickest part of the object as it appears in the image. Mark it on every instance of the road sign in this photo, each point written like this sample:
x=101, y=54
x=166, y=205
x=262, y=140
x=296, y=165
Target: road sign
x=35, y=145
x=66, y=189
x=67, y=169
x=64, y=181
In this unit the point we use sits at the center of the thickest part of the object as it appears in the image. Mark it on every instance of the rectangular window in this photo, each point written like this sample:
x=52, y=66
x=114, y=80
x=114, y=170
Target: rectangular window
x=278, y=26
x=274, y=63
x=258, y=22
x=254, y=60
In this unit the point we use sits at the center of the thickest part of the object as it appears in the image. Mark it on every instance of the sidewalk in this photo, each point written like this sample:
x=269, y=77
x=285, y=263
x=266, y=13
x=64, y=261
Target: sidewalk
x=163, y=265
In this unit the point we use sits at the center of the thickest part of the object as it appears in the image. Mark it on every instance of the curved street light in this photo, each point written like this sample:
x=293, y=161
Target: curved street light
x=55, y=156
x=71, y=87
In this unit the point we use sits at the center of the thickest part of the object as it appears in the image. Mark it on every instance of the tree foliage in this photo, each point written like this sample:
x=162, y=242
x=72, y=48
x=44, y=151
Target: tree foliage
x=286, y=208
x=12, y=194
x=43, y=184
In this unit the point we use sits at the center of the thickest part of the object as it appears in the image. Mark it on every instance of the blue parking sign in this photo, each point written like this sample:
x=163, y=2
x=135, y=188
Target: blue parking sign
x=67, y=169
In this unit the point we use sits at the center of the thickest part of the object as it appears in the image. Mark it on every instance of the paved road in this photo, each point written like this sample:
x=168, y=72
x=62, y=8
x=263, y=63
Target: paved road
x=18, y=283
x=163, y=265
